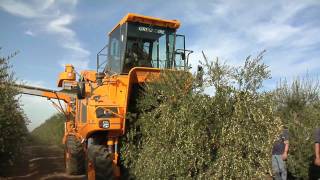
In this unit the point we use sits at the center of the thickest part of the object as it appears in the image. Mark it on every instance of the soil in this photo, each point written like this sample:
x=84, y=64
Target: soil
x=42, y=162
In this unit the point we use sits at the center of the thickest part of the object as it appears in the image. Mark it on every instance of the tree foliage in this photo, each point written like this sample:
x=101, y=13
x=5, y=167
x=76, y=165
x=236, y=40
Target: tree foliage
x=181, y=133
x=247, y=124
x=51, y=131
x=13, y=130
x=298, y=106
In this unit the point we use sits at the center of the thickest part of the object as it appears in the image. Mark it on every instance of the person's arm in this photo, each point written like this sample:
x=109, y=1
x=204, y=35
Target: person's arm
x=317, y=154
x=317, y=146
x=286, y=149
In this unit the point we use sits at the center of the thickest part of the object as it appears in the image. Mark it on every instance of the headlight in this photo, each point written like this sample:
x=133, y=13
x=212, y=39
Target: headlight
x=104, y=124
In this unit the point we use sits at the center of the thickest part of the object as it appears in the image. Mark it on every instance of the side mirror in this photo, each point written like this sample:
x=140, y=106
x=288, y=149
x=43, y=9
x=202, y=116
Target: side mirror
x=183, y=56
x=81, y=90
x=199, y=76
x=99, y=77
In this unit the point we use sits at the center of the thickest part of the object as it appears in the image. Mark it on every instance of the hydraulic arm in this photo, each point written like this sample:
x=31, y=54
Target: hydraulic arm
x=42, y=92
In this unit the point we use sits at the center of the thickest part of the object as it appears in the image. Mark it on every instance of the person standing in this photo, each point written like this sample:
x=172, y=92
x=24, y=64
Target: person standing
x=314, y=172
x=279, y=155
x=317, y=147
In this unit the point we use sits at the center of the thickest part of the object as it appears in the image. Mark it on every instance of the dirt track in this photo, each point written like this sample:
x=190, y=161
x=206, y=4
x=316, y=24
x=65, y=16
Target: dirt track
x=40, y=162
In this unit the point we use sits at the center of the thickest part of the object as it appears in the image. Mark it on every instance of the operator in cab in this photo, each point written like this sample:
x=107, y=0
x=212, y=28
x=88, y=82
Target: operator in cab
x=136, y=57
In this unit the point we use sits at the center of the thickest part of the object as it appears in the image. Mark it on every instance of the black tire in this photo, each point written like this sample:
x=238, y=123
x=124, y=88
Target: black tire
x=102, y=162
x=75, y=164
x=125, y=174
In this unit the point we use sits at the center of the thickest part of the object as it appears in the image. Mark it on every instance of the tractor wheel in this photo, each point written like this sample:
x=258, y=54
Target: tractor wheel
x=99, y=163
x=74, y=156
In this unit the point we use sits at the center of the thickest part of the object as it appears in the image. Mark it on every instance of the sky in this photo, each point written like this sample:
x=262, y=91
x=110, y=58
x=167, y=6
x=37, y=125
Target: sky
x=51, y=33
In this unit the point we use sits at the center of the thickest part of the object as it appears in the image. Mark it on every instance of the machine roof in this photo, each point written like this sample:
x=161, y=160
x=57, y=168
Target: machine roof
x=131, y=17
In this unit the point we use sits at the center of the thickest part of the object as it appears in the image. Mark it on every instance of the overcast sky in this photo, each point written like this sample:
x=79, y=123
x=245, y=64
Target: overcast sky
x=50, y=33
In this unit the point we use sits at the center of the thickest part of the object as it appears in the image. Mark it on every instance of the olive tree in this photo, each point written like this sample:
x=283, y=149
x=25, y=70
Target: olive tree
x=178, y=132
x=13, y=130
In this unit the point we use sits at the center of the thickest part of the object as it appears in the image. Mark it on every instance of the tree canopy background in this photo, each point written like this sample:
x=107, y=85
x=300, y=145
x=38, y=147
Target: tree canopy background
x=13, y=129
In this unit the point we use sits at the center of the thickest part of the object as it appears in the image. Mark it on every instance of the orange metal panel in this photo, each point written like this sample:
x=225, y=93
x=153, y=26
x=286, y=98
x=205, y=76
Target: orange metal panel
x=132, y=17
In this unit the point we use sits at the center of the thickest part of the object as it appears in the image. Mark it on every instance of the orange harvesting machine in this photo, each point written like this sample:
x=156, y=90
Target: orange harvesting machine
x=96, y=103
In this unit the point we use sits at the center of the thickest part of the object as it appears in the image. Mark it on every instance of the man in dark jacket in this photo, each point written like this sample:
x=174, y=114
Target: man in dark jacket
x=315, y=166
x=279, y=155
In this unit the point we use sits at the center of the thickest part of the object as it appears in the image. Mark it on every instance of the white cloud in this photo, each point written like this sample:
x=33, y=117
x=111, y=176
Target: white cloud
x=76, y=46
x=227, y=29
x=79, y=56
x=232, y=30
x=52, y=17
x=273, y=34
x=19, y=9
x=309, y=36
x=31, y=9
x=59, y=24
x=293, y=66
x=48, y=17
x=30, y=33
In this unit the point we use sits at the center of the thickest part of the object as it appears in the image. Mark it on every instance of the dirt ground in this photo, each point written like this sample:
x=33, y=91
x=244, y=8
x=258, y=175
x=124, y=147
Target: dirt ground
x=40, y=162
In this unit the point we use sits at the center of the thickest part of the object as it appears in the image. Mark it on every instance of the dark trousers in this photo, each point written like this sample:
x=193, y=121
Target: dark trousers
x=314, y=172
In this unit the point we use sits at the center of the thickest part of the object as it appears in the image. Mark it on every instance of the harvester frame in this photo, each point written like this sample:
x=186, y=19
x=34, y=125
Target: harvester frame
x=140, y=47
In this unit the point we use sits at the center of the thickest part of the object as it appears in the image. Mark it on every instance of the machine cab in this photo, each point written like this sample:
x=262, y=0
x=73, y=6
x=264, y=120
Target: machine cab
x=142, y=41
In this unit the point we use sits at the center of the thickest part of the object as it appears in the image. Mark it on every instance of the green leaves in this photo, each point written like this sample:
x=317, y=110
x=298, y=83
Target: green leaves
x=13, y=130
x=51, y=131
x=169, y=132
x=298, y=106
x=181, y=133
x=246, y=138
